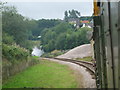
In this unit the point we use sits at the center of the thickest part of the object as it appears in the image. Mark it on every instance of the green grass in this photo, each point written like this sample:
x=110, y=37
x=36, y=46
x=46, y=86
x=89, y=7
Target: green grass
x=47, y=74
x=54, y=53
x=88, y=59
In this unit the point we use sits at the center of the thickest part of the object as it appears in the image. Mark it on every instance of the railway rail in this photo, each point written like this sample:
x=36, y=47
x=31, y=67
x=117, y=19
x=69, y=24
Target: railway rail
x=88, y=65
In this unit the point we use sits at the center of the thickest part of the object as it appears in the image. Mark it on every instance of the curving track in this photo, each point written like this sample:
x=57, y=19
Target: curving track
x=87, y=65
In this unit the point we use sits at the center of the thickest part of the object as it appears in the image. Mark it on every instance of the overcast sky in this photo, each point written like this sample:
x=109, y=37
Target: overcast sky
x=51, y=10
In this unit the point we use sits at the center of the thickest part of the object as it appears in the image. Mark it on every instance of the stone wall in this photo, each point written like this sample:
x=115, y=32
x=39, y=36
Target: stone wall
x=10, y=70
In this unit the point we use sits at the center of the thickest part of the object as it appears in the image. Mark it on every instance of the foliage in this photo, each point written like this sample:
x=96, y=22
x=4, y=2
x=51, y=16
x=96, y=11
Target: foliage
x=14, y=52
x=7, y=39
x=2, y=6
x=16, y=28
x=63, y=37
x=66, y=16
x=45, y=75
x=74, y=14
x=42, y=24
x=53, y=54
x=14, y=25
x=34, y=59
x=71, y=14
x=31, y=26
x=17, y=34
x=88, y=59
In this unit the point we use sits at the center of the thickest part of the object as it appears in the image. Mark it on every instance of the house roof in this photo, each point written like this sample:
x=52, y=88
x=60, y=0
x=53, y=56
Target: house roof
x=85, y=21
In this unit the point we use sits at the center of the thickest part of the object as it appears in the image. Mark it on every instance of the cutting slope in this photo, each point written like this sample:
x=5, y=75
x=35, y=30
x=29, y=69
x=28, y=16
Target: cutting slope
x=78, y=52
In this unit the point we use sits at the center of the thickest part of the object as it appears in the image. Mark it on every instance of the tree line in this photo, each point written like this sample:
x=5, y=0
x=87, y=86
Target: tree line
x=19, y=29
x=55, y=33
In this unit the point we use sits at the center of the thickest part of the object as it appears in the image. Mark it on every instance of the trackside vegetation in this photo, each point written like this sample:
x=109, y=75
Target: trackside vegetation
x=16, y=42
x=54, y=53
x=47, y=74
x=14, y=52
x=88, y=59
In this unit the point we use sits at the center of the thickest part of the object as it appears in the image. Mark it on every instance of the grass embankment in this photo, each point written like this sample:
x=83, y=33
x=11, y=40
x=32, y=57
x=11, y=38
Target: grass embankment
x=54, y=53
x=47, y=74
x=88, y=59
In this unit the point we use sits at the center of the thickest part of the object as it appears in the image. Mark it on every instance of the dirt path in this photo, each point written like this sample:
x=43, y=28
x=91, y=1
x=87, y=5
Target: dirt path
x=83, y=77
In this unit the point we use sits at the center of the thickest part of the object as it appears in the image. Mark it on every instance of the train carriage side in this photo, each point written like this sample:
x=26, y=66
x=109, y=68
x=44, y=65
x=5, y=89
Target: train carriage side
x=119, y=44
x=107, y=44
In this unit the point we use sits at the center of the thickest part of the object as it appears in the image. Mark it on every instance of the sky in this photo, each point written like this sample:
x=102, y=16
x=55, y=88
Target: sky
x=51, y=10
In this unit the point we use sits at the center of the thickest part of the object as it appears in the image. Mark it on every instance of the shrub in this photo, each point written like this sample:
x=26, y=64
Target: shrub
x=7, y=39
x=53, y=53
x=14, y=52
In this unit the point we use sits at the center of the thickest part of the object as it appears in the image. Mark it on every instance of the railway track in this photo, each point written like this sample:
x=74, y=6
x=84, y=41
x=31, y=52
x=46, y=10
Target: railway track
x=87, y=65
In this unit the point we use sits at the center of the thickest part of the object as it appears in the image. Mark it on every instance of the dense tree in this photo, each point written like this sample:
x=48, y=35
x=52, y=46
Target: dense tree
x=17, y=28
x=61, y=42
x=71, y=14
x=44, y=23
x=62, y=37
x=66, y=16
x=7, y=39
x=14, y=24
